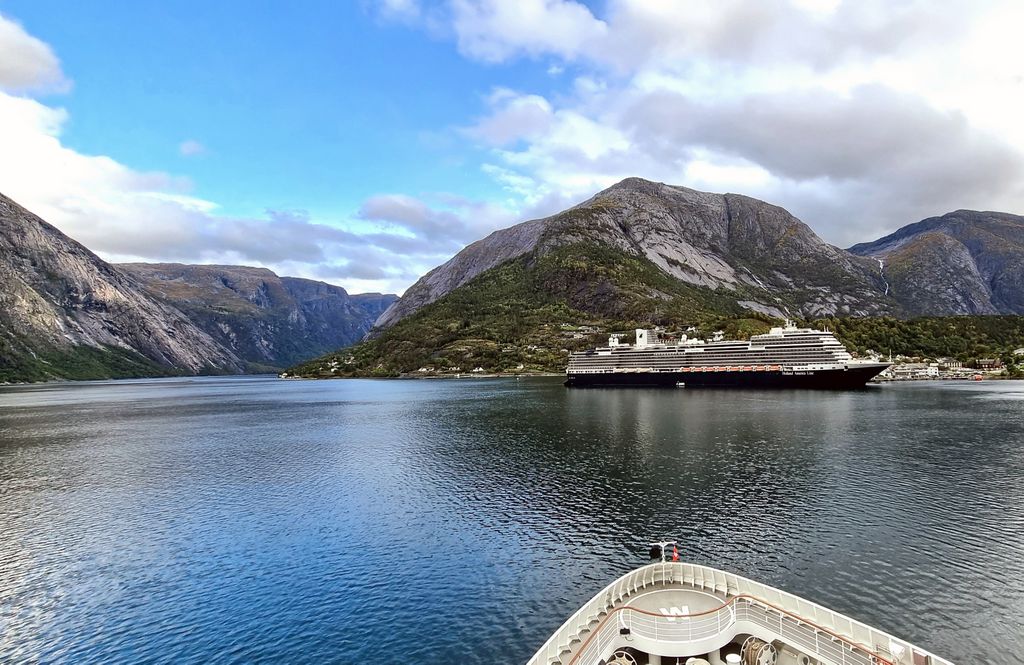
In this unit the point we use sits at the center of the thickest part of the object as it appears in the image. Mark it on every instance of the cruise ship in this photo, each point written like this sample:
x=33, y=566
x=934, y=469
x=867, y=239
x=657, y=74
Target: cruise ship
x=678, y=613
x=784, y=357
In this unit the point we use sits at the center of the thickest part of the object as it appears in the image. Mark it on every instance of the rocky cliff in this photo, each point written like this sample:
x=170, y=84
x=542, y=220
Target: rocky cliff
x=64, y=312
x=964, y=262
x=764, y=258
x=262, y=318
x=642, y=253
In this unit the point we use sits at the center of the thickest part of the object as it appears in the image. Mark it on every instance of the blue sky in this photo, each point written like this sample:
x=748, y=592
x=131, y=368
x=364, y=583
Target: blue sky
x=363, y=143
x=311, y=105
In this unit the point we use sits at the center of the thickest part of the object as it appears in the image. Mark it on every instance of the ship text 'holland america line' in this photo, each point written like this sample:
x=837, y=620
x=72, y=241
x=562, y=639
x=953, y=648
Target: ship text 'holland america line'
x=785, y=357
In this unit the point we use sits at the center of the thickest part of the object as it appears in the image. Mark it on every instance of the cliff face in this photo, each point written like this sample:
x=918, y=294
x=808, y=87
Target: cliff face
x=262, y=318
x=964, y=262
x=65, y=311
x=756, y=253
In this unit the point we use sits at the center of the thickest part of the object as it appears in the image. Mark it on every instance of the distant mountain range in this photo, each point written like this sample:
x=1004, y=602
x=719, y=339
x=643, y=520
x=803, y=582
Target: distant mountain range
x=639, y=253
x=66, y=313
x=646, y=253
x=260, y=317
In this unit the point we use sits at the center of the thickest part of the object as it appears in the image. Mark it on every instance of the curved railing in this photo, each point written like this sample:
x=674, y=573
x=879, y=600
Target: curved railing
x=588, y=634
x=644, y=624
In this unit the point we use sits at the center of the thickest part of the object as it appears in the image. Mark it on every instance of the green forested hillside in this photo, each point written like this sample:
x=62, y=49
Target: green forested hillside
x=963, y=337
x=531, y=311
x=528, y=313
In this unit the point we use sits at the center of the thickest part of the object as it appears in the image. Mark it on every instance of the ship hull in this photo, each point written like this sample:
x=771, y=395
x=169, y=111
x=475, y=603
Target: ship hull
x=818, y=379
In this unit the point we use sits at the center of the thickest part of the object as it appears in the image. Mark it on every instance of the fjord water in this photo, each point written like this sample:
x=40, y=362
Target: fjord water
x=259, y=520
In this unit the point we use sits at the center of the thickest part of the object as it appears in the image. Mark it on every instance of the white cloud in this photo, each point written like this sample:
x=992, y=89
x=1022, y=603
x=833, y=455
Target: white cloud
x=128, y=215
x=514, y=117
x=26, y=63
x=191, y=148
x=495, y=30
x=858, y=115
x=402, y=10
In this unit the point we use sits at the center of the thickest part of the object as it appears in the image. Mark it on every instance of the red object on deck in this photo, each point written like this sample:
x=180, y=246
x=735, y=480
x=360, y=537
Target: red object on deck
x=675, y=553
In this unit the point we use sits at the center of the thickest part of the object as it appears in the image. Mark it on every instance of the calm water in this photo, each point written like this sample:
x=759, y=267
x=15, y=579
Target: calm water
x=257, y=520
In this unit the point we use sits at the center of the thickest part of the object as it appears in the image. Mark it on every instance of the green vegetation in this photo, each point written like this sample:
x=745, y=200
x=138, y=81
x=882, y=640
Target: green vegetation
x=965, y=338
x=75, y=363
x=527, y=314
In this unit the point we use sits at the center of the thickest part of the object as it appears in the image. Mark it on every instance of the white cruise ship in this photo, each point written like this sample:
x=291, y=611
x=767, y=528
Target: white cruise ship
x=785, y=357
x=671, y=612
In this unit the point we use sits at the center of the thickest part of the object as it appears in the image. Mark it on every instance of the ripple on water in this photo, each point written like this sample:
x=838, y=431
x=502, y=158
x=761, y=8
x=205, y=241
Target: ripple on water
x=253, y=520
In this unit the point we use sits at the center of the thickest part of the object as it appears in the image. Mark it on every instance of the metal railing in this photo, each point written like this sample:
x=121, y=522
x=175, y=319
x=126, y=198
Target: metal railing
x=645, y=624
x=589, y=633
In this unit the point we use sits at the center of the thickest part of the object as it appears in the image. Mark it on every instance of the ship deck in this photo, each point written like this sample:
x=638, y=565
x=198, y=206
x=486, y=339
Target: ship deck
x=671, y=610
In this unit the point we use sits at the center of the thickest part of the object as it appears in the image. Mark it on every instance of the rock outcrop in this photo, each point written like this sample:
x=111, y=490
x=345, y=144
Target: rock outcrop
x=964, y=262
x=59, y=300
x=769, y=260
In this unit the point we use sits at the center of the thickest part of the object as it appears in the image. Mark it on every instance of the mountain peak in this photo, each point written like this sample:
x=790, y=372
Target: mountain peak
x=963, y=262
x=719, y=241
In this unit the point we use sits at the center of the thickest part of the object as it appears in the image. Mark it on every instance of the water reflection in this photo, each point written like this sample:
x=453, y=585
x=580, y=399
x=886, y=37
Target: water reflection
x=253, y=519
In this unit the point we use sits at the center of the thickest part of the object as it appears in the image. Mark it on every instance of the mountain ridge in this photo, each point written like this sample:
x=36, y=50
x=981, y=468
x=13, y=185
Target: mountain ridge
x=962, y=262
x=701, y=238
x=59, y=296
x=262, y=317
x=637, y=254
x=65, y=313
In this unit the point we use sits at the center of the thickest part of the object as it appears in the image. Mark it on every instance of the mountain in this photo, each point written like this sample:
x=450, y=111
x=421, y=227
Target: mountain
x=964, y=262
x=262, y=318
x=764, y=258
x=66, y=313
x=636, y=254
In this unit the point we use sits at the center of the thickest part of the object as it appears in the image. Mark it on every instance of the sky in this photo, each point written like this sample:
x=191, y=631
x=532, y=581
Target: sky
x=364, y=142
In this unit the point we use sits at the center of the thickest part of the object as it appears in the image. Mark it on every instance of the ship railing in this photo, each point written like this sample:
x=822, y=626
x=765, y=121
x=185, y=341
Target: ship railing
x=644, y=624
x=835, y=638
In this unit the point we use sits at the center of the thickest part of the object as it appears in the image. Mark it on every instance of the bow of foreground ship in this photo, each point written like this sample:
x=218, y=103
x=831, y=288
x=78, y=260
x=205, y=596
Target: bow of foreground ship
x=671, y=612
x=784, y=357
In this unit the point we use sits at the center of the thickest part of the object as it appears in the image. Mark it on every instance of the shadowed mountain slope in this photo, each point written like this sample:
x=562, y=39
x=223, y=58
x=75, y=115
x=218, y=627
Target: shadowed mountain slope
x=66, y=313
x=265, y=319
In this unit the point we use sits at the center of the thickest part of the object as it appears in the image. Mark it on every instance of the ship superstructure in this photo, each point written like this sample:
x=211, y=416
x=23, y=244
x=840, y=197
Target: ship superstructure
x=786, y=356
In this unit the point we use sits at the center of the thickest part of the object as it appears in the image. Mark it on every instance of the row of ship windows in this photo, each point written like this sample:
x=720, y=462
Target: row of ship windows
x=722, y=347
x=788, y=361
x=711, y=356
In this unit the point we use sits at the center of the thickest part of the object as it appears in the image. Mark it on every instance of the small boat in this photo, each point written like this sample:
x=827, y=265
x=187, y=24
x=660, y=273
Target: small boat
x=678, y=613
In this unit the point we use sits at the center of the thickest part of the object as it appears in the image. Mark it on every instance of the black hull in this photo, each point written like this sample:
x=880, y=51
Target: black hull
x=827, y=379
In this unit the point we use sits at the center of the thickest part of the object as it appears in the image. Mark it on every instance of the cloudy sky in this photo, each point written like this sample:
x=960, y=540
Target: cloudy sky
x=362, y=143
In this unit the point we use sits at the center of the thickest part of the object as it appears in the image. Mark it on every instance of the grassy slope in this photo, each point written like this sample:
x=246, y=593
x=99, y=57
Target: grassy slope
x=78, y=363
x=527, y=311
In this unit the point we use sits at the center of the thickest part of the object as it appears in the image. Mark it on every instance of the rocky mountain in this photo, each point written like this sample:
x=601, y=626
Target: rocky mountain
x=964, y=262
x=262, y=318
x=66, y=313
x=639, y=253
x=766, y=259
x=642, y=253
